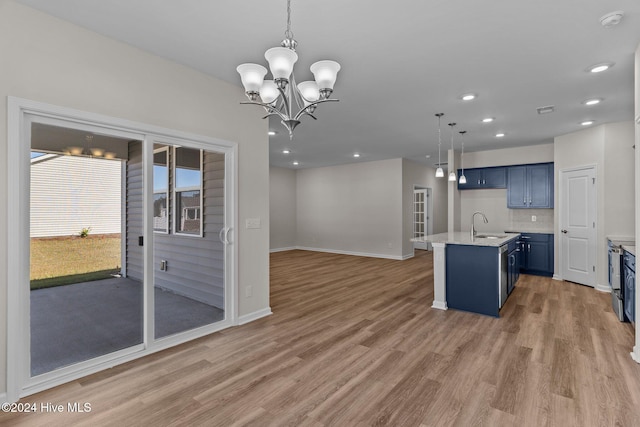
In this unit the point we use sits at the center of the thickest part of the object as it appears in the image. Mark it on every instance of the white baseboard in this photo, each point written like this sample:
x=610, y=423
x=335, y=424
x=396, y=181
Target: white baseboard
x=635, y=354
x=366, y=254
x=246, y=318
x=3, y=398
x=603, y=288
x=291, y=248
x=556, y=277
x=440, y=305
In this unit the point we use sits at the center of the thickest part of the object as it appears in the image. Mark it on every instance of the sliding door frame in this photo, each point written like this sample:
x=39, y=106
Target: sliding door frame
x=23, y=112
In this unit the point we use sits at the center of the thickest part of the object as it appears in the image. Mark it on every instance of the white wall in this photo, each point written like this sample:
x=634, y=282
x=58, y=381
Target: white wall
x=48, y=60
x=282, y=208
x=416, y=174
x=69, y=193
x=636, y=349
x=609, y=148
x=354, y=208
x=493, y=202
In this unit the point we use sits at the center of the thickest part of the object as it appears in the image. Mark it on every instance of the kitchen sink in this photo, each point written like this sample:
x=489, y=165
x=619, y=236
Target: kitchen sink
x=490, y=236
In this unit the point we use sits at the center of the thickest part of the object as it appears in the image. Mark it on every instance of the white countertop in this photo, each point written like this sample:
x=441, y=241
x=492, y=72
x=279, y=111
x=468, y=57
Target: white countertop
x=464, y=238
x=530, y=230
x=622, y=240
x=630, y=248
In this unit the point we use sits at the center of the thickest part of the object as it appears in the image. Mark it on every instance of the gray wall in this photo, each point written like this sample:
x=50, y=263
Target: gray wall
x=48, y=60
x=354, y=208
x=282, y=208
x=360, y=208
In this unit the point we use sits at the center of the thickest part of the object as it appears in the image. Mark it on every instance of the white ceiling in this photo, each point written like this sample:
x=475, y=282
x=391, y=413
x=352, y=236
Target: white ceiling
x=402, y=62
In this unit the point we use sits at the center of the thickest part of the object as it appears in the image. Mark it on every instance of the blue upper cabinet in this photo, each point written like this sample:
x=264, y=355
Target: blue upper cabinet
x=495, y=177
x=530, y=186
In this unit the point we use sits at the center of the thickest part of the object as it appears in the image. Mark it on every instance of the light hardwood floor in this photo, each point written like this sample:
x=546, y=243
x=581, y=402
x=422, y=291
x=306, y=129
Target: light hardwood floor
x=353, y=342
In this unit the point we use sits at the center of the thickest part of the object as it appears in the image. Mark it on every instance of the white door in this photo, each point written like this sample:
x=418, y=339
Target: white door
x=420, y=217
x=578, y=225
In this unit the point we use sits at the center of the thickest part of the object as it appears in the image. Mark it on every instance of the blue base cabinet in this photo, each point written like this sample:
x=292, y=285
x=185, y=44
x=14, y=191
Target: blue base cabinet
x=536, y=254
x=473, y=288
x=630, y=286
x=530, y=186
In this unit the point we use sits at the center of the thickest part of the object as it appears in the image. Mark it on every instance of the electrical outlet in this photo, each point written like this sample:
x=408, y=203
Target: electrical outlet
x=253, y=223
x=534, y=218
x=248, y=291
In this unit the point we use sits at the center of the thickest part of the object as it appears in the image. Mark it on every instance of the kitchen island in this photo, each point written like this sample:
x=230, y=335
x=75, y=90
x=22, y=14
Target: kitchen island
x=469, y=273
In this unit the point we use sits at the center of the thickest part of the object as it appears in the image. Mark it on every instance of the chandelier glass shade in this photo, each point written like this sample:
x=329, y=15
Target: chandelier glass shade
x=281, y=96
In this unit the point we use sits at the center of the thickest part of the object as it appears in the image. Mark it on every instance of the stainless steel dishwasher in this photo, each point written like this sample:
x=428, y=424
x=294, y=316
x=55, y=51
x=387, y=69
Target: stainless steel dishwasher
x=503, y=275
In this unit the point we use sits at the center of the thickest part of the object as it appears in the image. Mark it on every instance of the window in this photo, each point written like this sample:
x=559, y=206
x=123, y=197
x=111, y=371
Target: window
x=161, y=190
x=187, y=175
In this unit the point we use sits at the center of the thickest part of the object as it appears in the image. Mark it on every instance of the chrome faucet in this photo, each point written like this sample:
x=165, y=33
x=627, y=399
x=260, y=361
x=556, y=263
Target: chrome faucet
x=473, y=226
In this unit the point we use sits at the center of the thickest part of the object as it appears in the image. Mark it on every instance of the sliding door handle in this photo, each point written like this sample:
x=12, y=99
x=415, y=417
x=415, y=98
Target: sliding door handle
x=224, y=235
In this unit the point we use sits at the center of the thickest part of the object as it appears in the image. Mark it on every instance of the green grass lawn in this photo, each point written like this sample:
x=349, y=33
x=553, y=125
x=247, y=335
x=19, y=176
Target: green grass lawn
x=64, y=260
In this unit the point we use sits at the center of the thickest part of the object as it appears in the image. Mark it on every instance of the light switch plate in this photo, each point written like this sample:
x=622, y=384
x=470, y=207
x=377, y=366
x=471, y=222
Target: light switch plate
x=534, y=218
x=253, y=223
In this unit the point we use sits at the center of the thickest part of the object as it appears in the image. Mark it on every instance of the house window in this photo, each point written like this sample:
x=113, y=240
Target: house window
x=187, y=189
x=161, y=190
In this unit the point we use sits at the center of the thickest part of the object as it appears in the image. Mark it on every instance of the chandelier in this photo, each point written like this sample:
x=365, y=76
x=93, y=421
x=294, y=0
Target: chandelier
x=281, y=96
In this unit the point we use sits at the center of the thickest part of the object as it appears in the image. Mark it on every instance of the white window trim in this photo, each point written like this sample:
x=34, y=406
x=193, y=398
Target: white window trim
x=175, y=190
x=166, y=192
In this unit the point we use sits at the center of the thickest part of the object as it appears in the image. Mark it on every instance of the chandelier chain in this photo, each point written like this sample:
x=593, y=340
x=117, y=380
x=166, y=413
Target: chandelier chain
x=288, y=34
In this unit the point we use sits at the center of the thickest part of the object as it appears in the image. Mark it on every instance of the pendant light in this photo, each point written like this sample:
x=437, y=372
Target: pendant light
x=439, y=171
x=452, y=174
x=463, y=179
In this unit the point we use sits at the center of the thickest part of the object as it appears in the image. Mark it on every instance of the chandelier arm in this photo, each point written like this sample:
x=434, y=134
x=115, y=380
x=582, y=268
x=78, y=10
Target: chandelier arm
x=270, y=108
x=313, y=104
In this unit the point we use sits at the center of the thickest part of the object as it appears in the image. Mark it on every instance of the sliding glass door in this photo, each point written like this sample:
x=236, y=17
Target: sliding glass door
x=127, y=249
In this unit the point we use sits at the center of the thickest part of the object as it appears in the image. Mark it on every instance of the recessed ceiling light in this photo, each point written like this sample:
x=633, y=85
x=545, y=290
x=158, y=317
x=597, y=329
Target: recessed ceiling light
x=593, y=101
x=428, y=156
x=499, y=135
x=295, y=163
x=487, y=120
x=598, y=68
x=356, y=155
x=468, y=96
x=587, y=123
x=285, y=151
x=272, y=133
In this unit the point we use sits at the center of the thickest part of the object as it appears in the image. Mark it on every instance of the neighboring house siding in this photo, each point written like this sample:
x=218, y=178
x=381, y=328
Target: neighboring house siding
x=195, y=264
x=70, y=193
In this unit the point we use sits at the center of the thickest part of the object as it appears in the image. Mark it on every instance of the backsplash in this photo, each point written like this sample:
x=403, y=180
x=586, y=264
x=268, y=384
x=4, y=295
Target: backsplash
x=520, y=220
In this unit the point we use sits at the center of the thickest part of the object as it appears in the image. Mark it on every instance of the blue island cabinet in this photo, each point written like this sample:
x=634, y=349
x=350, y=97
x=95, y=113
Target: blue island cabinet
x=473, y=288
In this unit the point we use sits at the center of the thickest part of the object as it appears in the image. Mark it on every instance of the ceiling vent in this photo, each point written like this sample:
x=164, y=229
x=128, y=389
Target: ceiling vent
x=546, y=110
x=612, y=19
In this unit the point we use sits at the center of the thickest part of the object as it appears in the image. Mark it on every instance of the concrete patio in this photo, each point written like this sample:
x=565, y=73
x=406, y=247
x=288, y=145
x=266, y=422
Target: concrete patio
x=78, y=322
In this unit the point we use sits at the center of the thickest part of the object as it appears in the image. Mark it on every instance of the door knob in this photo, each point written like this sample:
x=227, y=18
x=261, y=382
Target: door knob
x=564, y=231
